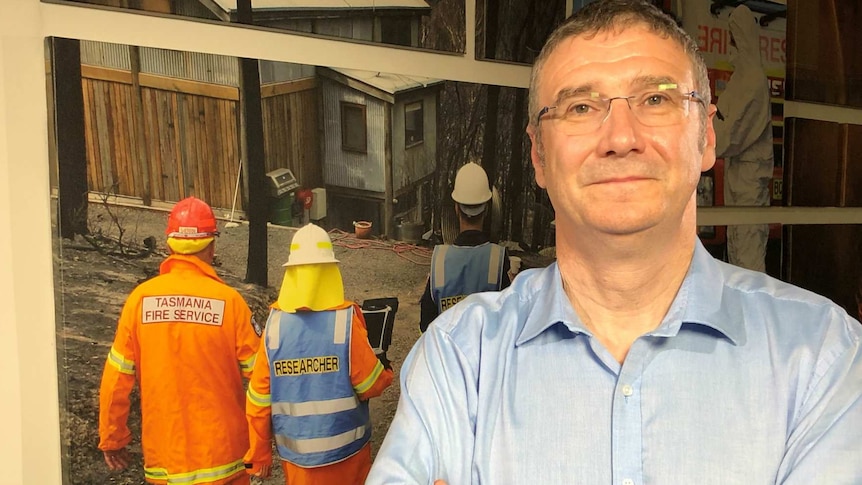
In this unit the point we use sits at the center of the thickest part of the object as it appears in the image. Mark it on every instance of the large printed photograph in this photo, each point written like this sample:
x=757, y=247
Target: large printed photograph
x=371, y=157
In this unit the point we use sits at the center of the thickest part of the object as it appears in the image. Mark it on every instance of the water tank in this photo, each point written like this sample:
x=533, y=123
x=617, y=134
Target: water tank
x=318, y=204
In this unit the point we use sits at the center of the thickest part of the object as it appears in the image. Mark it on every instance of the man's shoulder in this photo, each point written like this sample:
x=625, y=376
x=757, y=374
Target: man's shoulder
x=766, y=289
x=780, y=304
x=201, y=286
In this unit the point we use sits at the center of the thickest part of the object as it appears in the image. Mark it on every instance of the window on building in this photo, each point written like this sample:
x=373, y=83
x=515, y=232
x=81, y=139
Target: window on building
x=353, y=128
x=414, y=132
x=397, y=30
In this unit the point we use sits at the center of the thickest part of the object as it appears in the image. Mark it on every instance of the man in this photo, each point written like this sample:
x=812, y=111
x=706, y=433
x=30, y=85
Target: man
x=743, y=133
x=636, y=358
x=188, y=339
x=314, y=374
x=473, y=263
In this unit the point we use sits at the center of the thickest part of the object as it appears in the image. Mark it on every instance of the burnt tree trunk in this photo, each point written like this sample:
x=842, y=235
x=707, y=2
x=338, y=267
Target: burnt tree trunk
x=70, y=139
x=253, y=163
x=492, y=106
x=513, y=200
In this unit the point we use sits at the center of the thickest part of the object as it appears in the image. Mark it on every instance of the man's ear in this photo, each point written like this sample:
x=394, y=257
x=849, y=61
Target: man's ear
x=707, y=160
x=536, y=155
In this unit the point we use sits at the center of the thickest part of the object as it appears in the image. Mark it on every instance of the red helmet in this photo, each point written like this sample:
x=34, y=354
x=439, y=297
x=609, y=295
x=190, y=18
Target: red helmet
x=191, y=218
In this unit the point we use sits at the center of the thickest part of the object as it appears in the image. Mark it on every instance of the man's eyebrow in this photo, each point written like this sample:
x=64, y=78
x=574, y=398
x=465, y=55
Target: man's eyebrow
x=569, y=92
x=651, y=80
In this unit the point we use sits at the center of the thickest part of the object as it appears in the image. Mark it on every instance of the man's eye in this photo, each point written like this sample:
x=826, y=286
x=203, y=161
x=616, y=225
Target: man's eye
x=578, y=109
x=655, y=99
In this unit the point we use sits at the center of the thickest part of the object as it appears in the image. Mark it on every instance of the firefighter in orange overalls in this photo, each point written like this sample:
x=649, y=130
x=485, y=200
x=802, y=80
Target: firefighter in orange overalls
x=188, y=339
x=314, y=374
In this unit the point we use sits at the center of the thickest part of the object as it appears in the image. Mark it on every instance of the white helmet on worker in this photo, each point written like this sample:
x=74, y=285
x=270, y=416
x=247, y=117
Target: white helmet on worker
x=310, y=245
x=472, y=191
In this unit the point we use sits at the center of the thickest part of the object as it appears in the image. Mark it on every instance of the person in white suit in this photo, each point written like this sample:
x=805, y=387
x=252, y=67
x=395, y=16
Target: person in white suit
x=743, y=130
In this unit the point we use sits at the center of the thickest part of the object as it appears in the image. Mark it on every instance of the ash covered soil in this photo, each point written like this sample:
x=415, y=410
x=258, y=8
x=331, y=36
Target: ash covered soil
x=91, y=286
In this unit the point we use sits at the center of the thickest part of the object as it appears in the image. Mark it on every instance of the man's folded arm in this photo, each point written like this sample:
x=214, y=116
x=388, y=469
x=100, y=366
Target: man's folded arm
x=432, y=434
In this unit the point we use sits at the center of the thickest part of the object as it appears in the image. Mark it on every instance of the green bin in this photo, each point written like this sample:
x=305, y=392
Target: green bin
x=281, y=210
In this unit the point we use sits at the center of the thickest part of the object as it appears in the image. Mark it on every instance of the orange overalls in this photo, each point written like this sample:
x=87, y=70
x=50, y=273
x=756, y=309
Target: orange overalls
x=188, y=339
x=363, y=367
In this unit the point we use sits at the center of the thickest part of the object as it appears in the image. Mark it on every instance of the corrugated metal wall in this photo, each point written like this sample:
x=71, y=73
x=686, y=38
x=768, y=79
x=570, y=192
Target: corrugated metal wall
x=300, y=25
x=192, y=8
x=412, y=164
x=102, y=54
x=360, y=28
x=194, y=66
x=350, y=169
x=276, y=72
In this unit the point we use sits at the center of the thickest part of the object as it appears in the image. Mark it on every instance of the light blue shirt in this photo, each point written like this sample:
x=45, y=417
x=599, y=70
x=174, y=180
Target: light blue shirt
x=747, y=380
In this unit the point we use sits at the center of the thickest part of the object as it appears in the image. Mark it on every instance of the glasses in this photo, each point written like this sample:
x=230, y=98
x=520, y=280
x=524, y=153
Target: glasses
x=580, y=114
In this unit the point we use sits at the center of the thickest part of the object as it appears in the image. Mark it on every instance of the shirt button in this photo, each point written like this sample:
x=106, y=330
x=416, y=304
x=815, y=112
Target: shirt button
x=628, y=481
x=627, y=391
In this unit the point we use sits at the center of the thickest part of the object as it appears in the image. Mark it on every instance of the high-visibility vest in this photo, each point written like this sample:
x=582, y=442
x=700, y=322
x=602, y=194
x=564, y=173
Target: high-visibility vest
x=317, y=418
x=458, y=271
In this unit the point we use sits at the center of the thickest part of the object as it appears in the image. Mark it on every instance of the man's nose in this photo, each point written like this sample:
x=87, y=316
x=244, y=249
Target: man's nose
x=611, y=106
x=620, y=129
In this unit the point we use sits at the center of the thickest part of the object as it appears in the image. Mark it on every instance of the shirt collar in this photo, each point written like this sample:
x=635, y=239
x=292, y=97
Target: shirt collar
x=177, y=261
x=698, y=301
x=471, y=237
x=341, y=306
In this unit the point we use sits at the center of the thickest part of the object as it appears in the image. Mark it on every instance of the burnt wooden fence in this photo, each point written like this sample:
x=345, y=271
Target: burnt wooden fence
x=190, y=131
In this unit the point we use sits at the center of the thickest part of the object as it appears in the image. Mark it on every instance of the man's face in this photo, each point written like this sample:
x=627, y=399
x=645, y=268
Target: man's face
x=624, y=177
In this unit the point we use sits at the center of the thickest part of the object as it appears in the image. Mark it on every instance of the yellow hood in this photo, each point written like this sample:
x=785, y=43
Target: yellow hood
x=316, y=287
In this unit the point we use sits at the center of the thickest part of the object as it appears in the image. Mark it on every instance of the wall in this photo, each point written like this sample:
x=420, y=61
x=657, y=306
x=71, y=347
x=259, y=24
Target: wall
x=410, y=165
x=823, y=166
x=348, y=169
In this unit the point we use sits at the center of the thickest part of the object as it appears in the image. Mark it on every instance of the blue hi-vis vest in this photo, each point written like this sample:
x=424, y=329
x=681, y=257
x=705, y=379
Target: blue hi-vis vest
x=458, y=271
x=317, y=418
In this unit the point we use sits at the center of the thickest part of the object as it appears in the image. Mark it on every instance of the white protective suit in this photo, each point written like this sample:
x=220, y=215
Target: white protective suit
x=744, y=140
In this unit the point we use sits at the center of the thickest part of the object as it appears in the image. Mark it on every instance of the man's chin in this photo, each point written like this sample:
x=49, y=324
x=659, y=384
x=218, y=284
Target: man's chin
x=629, y=227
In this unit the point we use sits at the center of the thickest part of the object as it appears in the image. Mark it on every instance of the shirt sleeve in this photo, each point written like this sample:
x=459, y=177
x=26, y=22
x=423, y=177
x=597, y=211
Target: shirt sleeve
x=258, y=412
x=367, y=374
x=118, y=379
x=431, y=436
x=825, y=440
x=247, y=337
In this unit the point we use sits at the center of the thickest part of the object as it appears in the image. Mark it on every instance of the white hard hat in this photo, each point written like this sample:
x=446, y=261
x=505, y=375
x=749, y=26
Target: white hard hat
x=310, y=245
x=471, y=185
